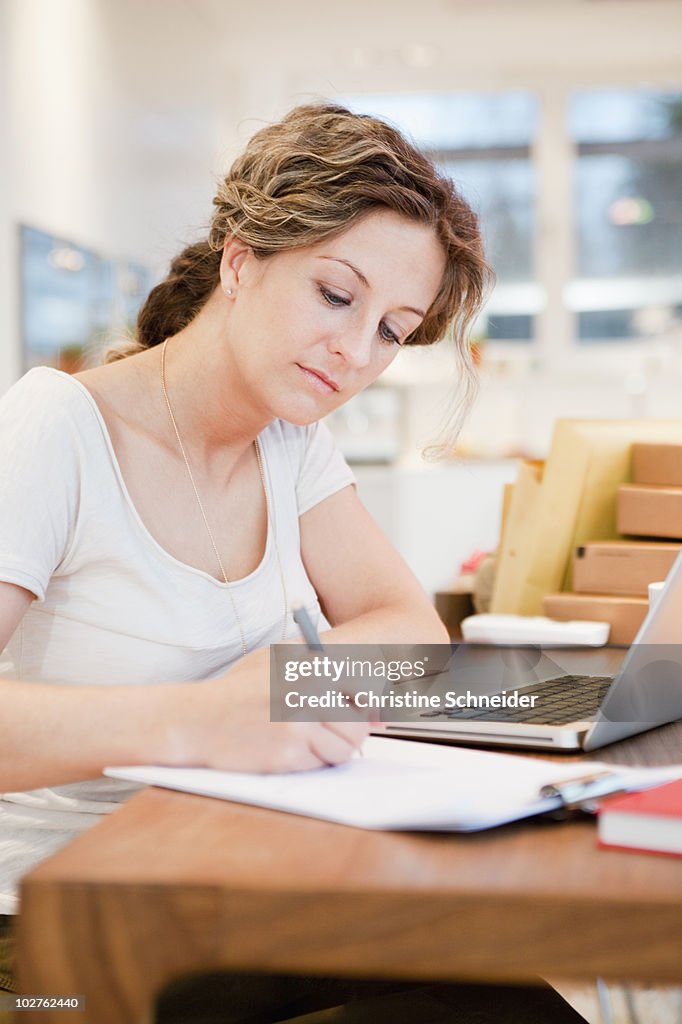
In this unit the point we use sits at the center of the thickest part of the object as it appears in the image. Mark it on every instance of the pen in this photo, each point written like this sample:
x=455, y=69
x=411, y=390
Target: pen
x=581, y=793
x=305, y=624
x=310, y=635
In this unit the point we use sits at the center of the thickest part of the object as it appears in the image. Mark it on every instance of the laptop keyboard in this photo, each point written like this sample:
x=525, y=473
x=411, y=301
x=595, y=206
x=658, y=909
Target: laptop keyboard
x=561, y=700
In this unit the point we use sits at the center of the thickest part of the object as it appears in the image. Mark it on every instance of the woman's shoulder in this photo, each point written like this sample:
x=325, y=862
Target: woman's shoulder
x=310, y=450
x=42, y=392
x=284, y=432
x=290, y=439
x=292, y=435
x=50, y=418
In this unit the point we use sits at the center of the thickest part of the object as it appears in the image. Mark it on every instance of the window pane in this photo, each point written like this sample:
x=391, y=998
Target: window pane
x=482, y=141
x=502, y=192
x=624, y=115
x=503, y=327
x=629, y=216
x=628, y=210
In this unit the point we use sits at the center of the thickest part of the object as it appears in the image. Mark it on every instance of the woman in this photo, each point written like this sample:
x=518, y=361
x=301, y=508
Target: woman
x=160, y=513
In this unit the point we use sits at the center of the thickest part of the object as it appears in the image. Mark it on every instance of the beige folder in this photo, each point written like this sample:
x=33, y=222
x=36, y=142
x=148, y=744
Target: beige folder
x=515, y=544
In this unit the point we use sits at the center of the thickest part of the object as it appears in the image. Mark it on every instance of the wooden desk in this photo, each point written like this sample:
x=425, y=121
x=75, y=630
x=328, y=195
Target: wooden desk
x=174, y=883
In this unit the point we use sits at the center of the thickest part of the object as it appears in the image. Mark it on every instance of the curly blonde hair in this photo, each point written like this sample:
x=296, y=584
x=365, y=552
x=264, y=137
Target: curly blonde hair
x=306, y=178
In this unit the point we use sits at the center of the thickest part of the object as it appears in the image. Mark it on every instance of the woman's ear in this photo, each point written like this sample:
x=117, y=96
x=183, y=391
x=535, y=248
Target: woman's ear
x=235, y=253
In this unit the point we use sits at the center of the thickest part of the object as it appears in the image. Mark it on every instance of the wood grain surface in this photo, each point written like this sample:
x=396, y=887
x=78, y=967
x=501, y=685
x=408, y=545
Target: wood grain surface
x=173, y=883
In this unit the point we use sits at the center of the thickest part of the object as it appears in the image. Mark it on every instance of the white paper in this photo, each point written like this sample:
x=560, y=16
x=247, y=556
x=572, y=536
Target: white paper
x=397, y=784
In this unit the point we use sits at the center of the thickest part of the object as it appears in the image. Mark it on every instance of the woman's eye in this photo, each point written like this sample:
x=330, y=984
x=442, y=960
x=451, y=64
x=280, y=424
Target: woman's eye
x=333, y=299
x=388, y=335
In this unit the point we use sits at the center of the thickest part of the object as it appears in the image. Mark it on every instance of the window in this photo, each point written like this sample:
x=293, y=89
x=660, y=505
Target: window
x=580, y=197
x=483, y=141
x=627, y=195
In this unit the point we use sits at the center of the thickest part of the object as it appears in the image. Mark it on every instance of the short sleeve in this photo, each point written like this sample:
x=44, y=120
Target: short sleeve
x=39, y=480
x=323, y=469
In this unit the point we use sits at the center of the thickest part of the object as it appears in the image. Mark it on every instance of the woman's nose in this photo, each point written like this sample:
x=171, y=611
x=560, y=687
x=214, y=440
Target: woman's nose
x=355, y=345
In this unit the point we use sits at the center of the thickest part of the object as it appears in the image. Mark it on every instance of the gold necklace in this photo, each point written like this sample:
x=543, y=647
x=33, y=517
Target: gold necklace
x=268, y=516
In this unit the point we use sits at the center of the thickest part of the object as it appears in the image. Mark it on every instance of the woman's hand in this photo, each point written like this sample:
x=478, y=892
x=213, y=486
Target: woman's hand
x=225, y=723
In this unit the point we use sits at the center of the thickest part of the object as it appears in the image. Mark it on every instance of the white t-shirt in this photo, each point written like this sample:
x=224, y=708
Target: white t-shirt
x=113, y=606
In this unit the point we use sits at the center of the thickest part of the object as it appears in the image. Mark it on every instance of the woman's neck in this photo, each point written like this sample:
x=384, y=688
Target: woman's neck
x=217, y=415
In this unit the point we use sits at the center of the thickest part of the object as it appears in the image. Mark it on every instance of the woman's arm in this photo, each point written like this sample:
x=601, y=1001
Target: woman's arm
x=52, y=734
x=368, y=592
x=369, y=596
x=14, y=603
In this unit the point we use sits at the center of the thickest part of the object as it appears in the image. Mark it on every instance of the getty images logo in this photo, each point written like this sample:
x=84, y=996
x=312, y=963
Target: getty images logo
x=336, y=669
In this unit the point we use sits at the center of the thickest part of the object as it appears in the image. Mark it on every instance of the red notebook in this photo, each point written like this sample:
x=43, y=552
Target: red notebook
x=651, y=820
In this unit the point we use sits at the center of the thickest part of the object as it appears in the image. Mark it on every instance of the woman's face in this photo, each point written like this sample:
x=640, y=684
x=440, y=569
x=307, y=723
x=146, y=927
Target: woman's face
x=312, y=327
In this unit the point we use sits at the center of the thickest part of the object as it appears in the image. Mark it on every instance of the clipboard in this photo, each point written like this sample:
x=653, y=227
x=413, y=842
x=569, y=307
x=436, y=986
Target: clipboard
x=403, y=785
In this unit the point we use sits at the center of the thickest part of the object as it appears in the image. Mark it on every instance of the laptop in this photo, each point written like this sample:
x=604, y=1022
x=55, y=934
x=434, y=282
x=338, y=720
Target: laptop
x=571, y=711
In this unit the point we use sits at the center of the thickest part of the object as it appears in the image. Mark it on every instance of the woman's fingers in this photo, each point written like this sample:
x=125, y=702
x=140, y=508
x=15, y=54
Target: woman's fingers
x=336, y=742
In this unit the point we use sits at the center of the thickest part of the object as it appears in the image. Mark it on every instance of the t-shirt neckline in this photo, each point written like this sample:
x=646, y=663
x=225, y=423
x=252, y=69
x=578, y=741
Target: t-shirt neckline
x=136, y=515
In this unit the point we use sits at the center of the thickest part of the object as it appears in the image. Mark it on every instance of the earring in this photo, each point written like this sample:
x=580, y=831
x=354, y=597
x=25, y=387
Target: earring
x=228, y=291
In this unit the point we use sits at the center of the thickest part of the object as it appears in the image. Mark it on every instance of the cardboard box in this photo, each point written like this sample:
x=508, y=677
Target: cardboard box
x=657, y=464
x=574, y=503
x=648, y=511
x=622, y=566
x=624, y=614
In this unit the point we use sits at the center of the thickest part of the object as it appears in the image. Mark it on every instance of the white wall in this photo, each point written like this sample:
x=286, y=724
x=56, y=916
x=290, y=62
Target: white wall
x=117, y=120
x=9, y=346
x=117, y=115
x=438, y=515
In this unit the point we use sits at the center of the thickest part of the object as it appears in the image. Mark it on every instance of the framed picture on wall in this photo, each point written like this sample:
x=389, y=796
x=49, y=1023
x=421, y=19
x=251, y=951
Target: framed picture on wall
x=73, y=300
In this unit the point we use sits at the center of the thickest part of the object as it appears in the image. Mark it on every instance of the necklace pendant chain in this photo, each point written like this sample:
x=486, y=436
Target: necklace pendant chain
x=269, y=517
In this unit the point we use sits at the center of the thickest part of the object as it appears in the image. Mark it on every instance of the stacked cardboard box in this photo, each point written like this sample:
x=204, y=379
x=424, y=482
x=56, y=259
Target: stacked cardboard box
x=622, y=566
x=623, y=613
x=652, y=505
x=610, y=578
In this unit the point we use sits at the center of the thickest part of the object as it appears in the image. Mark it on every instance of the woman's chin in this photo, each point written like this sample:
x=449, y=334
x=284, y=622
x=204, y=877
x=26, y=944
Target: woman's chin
x=302, y=414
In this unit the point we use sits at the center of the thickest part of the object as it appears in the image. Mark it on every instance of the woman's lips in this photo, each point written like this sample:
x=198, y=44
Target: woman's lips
x=319, y=380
